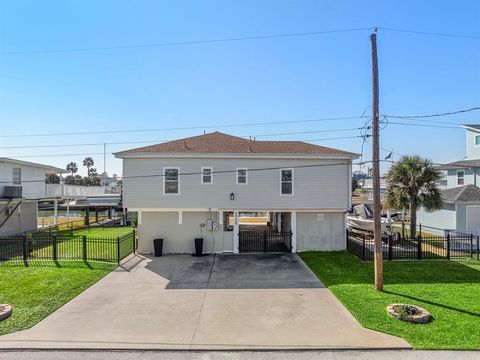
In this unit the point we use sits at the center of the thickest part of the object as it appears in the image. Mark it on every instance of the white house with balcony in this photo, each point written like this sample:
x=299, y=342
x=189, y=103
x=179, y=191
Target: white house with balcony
x=22, y=185
x=202, y=185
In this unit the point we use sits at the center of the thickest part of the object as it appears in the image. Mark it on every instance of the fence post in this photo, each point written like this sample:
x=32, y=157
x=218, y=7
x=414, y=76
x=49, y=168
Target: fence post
x=346, y=239
x=363, y=248
x=84, y=248
x=448, y=246
x=390, y=247
x=133, y=242
x=419, y=247
x=118, y=250
x=420, y=229
x=25, y=250
x=264, y=240
x=55, y=250
x=471, y=245
x=478, y=247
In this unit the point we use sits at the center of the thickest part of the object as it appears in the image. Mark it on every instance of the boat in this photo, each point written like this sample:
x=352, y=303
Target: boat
x=361, y=219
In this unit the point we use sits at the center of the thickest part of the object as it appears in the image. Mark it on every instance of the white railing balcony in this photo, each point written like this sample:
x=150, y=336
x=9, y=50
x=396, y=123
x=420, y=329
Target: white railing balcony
x=72, y=191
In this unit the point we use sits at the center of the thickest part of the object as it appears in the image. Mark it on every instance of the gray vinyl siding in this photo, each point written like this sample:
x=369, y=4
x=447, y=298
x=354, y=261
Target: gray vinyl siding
x=326, y=235
x=441, y=219
x=469, y=177
x=314, y=187
x=23, y=219
x=473, y=152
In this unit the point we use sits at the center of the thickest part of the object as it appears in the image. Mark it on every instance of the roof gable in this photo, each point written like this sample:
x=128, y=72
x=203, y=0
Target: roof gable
x=220, y=143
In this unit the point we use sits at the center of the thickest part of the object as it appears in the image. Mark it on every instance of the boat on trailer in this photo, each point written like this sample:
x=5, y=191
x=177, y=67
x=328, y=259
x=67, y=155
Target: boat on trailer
x=360, y=219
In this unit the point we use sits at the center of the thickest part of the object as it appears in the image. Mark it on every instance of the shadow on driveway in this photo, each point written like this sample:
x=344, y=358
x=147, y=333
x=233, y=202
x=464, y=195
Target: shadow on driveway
x=253, y=271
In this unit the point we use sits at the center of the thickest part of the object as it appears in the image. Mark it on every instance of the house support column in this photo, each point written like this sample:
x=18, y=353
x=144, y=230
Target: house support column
x=236, y=231
x=68, y=210
x=55, y=212
x=139, y=218
x=96, y=215
x=293, y=227
x=109, y=212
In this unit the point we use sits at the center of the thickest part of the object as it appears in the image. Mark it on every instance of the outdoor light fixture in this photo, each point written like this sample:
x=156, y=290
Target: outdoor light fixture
x=232, y=196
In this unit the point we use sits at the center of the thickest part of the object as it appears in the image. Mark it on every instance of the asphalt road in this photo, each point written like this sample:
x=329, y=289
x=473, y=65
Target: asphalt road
x=243, y=355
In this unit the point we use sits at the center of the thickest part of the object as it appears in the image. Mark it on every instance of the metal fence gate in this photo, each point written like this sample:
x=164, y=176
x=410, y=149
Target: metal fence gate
x=264, y=241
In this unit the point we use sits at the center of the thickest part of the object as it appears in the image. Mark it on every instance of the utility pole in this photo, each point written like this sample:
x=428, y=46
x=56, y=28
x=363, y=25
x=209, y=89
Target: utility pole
x=377, y=234
x=104, y=158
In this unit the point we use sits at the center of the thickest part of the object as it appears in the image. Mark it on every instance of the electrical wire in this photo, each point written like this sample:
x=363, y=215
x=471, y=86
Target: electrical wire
x=466, y=36
x=182, y=43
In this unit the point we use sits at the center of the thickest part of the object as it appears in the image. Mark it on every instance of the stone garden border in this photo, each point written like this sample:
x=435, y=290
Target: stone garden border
x=5, y=311
x=421, y=318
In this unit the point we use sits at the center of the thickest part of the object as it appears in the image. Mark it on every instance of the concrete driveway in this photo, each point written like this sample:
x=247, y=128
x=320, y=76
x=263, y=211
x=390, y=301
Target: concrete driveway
x=221, y=302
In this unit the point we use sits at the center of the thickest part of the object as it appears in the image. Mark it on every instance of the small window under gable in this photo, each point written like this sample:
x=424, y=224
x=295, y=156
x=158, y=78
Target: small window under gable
x=242, y=177
x=207, y=176
x=477, y=140
x=286, y=181
x=461, y=178
x=171, y=181
x=17, y=176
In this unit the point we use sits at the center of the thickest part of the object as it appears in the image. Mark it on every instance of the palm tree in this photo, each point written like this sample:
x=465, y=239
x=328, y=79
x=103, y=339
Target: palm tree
x=72, y=167
x=412, y=183
x=88, y=162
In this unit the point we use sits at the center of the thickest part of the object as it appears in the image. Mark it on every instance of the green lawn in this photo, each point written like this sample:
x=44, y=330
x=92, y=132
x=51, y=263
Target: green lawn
x=114, y=231
x=450, y=290
x=37, y=291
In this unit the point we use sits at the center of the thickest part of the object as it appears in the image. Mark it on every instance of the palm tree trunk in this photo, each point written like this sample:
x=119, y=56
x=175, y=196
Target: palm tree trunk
x=413, y=221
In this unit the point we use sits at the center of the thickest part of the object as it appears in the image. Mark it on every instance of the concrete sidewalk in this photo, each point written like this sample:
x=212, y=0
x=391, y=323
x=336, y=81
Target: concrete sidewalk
x=182, y=302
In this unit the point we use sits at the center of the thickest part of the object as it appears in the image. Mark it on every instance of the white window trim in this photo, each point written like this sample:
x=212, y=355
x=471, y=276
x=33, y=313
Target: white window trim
x=164, y=178
x=246, y=176
x=293, y=181
x=211, y=175
x=461, y=171
x=475, y=140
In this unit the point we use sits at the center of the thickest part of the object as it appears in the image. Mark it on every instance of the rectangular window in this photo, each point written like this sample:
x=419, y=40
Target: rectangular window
x=207, y=175
x=477, y=140
x=242, y=177
x=171, y=181
x=17, y=176
x=460, y=177
x=286, y=181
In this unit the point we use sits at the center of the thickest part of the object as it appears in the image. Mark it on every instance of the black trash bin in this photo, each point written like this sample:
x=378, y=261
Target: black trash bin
x=158, y=247
x=198, y=246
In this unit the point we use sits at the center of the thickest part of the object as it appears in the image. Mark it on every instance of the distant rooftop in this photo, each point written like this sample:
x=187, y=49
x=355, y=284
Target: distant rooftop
x=472, y=126
x=462, y=193
x=48, y=168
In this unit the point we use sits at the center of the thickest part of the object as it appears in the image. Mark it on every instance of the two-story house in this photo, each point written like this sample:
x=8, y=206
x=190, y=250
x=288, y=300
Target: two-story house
x=461, y=194
x=200, y=186
x=22, y=184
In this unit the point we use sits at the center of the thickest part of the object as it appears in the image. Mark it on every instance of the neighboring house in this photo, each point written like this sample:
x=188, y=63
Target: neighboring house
x=461, y=211
x=110, y=183
x=198, y=186
x=467, y=170
x=368, y=188
x=22, y=184
x=460, y=191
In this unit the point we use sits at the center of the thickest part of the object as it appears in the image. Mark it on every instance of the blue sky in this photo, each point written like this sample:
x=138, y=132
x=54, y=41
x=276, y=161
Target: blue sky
x=296, y=78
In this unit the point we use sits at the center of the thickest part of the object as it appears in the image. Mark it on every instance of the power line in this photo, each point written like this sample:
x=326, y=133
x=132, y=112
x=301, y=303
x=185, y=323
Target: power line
x=133, y=142
x=182, y=43
x=426, y=125
x=345, y=163
x=182, y=128
x=466, y=36
x=432, y=115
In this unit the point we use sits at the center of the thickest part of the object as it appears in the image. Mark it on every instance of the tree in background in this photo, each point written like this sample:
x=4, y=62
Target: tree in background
x=412, y=183
x=88, y=162
x=72, y=167
x=354, y=184
x=52, y=179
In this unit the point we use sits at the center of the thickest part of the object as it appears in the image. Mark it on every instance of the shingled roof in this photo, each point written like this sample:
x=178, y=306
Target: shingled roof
x=462, y=193
x=462, y=164
x=219, y=143
x=471, y=126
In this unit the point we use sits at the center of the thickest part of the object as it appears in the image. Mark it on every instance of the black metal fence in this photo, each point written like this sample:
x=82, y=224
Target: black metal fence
x=264, y=241
x=34, y=247
x=449, y=246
